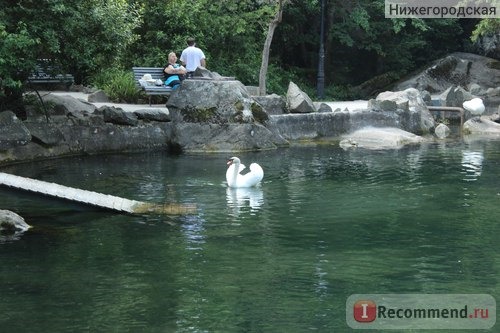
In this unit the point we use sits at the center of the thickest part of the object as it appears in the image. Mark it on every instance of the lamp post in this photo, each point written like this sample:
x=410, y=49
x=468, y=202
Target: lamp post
x=321, y=62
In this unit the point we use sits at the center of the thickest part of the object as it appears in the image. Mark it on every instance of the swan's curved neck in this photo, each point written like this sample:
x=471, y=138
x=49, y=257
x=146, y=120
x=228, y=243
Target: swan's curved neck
x=236, y=171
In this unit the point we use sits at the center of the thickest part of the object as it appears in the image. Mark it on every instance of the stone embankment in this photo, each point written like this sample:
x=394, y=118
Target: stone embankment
x=222, y=115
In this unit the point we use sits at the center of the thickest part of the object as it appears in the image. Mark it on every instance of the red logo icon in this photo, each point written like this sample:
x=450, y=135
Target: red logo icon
x=365, y=311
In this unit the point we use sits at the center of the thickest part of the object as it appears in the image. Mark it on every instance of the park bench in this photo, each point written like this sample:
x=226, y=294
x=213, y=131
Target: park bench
x=47, y=74
x=150, y=88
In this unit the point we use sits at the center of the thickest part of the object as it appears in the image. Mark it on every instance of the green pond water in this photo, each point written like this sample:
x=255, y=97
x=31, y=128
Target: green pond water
x=283, y=257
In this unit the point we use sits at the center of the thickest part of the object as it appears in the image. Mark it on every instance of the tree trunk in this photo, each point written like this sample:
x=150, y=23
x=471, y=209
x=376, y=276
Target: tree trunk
x=267, y=47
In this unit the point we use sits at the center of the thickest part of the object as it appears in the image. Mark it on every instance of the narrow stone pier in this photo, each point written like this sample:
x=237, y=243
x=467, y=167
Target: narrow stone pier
x=93, y=198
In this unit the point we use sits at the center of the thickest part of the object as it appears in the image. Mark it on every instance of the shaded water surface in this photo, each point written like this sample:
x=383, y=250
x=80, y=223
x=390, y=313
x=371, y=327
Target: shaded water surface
x=282, y=257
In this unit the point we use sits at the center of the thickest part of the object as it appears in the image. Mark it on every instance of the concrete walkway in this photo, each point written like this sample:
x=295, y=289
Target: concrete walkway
x=342, y=105
x=126, y=107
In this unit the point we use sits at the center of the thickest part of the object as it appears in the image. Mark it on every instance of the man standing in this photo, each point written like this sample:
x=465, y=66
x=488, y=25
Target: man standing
x=192, y=57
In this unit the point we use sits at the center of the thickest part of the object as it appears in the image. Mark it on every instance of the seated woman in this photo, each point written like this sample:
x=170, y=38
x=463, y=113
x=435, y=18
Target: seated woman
x=173, y=73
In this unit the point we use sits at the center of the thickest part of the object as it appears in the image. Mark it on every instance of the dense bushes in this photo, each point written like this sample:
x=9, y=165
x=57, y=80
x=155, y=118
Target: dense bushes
x=99, y=41
x=118, y=84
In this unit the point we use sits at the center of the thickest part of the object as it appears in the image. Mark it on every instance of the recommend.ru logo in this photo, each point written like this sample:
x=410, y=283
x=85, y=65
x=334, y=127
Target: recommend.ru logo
x=421, y=311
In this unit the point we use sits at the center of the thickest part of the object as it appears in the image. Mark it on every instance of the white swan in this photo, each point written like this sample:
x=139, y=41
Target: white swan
x=236, y=179
x=474, y=106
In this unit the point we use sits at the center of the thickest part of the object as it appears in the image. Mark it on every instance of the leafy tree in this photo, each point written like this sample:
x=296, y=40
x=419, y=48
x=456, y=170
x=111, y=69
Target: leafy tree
x=87, y=37
x=16, y=61
x=79, y=37
x=360, y=42
x=230, y=32
x=486, y=27
x=95, y=33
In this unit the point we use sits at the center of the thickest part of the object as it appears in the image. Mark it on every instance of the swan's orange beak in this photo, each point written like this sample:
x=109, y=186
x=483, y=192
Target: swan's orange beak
x=229, y=161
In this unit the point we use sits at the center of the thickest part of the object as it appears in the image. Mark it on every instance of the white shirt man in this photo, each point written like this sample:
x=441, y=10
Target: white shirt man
x=192, y=57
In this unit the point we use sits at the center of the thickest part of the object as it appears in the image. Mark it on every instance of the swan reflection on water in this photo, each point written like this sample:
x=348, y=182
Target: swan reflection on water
x=472, y=164
x=252, y=197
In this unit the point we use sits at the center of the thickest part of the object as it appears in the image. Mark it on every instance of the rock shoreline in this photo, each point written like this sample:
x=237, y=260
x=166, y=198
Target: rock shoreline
x=211, y=115
x=73, y=130
x=233, y=123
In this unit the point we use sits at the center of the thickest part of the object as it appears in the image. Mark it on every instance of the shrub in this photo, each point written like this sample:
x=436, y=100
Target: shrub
x=118, y=84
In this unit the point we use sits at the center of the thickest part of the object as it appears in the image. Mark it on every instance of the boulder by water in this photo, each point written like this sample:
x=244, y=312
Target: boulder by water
x=414, y=116
x=219, y=115
x=11, y=222
x=379, y=138
x=442, y=131
x=454, y=96
x=298, y=101
x=273, y=104
x=12, y=226
x=481, y=125
x=205, y=137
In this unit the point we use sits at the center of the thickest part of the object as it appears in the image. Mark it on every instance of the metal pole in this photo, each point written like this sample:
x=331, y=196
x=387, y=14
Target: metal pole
x=321, y=62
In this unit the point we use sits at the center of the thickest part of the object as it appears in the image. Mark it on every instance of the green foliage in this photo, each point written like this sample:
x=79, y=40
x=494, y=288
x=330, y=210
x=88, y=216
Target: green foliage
x=230, y=32
x=90, y=38
x=16, y=48
x=119, y=85
x=485, y=27
x=360, y=42
x=339, y=93
x=81, y=37
x=41, y=108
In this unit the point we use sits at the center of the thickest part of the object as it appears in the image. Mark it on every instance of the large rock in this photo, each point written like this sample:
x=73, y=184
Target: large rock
x=65, y=104
x=196, y=137
x=161, y=115
x=379, y=138
x=481, y=125
x=13, y=132
x=459, y=69
x=442, y=131
x=272, y=104
x=298, y=101
x=12, y=222
x=118, y=116
x=98, y=96
x=202, y=72
x=455, y=96
x=212, y=101
x=218, y=115
x=323, y=107
x=414, y=116
x=12, y=226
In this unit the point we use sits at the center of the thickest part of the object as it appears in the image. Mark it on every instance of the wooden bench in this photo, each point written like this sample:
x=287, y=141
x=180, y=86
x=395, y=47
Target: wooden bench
x=152, y=89
x=49, y=75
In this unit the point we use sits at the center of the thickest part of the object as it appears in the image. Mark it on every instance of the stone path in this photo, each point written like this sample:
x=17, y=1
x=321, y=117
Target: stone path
x=342, y=105
x=125, y=107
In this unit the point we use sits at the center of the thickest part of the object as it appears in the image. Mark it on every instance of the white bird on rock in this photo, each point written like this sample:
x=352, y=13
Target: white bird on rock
x=474, y=106
x=234, y=177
